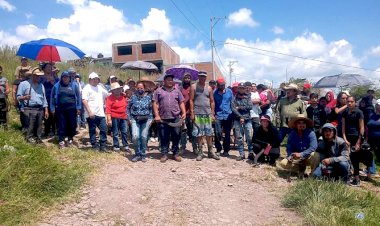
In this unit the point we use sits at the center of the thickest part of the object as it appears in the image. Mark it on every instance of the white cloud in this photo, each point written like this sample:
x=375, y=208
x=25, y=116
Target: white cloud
x=375, y=50
x=278, y=30
x=242, y=18
x=7, y=6
x=28, y=15
x=188, y=55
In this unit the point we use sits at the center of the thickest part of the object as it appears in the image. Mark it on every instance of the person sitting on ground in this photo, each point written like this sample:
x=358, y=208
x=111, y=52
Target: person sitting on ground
x=266, y=136
x=316, y=113
x=334, y=154
x=116, y=105
x=301, y=147
x=65, y=104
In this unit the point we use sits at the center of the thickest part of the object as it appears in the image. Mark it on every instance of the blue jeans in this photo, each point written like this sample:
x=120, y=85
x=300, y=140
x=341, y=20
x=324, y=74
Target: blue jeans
x=99, y=122
x=220, y=127
x=66, y=123
x=242, y=130
x=338, y=170
x=283, y=132
x=168, y=133
x=81, y=119
x=119, y=125
x=140, y=131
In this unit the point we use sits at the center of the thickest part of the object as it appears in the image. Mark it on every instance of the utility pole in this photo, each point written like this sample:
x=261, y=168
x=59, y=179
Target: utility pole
x=230, y=63
x=212, y=43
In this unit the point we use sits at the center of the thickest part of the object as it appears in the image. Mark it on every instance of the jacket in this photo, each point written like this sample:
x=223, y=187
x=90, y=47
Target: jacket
x=241, y=106
x=55, y=92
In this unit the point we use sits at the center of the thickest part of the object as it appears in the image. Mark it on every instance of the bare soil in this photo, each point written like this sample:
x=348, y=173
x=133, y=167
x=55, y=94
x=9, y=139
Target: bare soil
x=210, y=192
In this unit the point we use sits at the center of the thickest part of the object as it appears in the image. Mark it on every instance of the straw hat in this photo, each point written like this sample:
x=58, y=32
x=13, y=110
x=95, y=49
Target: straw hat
x=115, y=85
x=149, y=84
x=293, y=122
x=291, y=86
x=36, y=71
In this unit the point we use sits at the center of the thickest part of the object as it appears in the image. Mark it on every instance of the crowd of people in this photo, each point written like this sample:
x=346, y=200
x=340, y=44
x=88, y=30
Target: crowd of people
x=331, y=136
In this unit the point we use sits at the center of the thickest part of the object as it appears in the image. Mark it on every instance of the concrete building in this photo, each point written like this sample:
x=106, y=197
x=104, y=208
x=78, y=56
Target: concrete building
x=154, y=51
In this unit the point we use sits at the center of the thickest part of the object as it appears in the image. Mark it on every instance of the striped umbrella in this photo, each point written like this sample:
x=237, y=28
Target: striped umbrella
x=49, y=49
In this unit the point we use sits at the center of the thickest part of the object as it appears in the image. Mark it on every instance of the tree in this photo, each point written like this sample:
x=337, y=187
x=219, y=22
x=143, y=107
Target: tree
x=361, y=91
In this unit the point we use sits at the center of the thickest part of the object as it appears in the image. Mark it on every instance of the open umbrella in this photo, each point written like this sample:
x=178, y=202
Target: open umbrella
x=180, y=70
x=343, y=80
x=139, y=65
x=49, y=49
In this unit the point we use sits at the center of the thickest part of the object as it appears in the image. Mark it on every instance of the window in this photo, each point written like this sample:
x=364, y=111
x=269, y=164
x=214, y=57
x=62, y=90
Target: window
x=124, y=50
x=148, y=48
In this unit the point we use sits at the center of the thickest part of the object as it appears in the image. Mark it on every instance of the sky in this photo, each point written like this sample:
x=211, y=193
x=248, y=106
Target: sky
x=267, y=40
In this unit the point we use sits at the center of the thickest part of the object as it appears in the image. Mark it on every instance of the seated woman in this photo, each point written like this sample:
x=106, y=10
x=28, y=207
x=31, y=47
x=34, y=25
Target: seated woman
x=334, y=155
x=266, y=138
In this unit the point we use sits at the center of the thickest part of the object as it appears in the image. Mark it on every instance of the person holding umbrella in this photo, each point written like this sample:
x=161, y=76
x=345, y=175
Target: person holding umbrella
x=33, y=97
x=65, y=104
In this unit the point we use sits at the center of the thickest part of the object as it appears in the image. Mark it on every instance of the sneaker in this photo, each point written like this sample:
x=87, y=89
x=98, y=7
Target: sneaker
x=164, y=158
x=116, y=149
x=136, y=158
x=355, y=183
x=126, y=149
x=225, y=154
x=143, y=159
x=240, y=158
x=62, y=145
x=177, y=158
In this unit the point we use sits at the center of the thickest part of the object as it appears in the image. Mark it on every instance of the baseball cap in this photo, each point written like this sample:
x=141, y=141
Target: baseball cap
x=202, y=73
x=307, y=86
x=248, y=84
x=265, y=117
x=212, y=82
x=236, y=84
x=221, y=81
x=241, y=84
x=93, y=75
x=168, y=75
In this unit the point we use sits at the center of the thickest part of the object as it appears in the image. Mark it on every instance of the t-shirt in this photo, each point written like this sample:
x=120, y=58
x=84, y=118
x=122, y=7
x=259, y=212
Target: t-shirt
x=186, y=95
x=95, y=96
x=352, y=121
x=255, y=109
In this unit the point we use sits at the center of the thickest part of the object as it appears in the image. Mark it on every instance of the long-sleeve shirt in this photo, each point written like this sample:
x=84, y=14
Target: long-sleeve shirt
x=241, y=106
x=116, y=106
x=223, y=104
x=336, y=150
x=140, y=106
x=290, y=109
x=36, y=92
x=263, y=137
x=304, y=145
x=374, y=126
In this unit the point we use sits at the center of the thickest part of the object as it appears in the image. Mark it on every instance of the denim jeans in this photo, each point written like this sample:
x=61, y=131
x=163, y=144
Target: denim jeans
x=66, y=119
x=167, y=134
x=283, y=132
x=140, y=131
x=187, y=133
x=122, y=126
x=339, y=170
x=81, y=121
x=223, y=126
x=244, y=130
x=99, y=122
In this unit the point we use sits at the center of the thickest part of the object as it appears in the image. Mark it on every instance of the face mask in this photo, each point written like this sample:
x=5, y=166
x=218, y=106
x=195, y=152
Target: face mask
x=140, y=92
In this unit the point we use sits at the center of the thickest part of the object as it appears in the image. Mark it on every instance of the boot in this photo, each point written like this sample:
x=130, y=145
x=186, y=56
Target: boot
x=211, y=154
x=199, y=155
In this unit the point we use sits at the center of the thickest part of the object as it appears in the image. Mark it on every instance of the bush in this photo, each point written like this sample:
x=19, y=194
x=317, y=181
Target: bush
x=327, y=203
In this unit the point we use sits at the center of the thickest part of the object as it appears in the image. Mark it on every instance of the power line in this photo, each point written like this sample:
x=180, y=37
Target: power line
x=191, y=12
x=299, y=57
x=220, y=61
x=183, y=14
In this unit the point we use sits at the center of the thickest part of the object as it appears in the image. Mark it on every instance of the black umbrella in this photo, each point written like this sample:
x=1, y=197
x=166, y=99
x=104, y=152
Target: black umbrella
x=343, y=80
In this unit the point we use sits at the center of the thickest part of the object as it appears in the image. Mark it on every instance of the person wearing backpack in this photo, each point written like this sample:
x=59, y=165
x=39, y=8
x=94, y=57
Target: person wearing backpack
x=31, y=94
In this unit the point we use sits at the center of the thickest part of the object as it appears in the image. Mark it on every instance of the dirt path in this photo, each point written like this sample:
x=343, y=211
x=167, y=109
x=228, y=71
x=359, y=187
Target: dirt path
x=209, y=192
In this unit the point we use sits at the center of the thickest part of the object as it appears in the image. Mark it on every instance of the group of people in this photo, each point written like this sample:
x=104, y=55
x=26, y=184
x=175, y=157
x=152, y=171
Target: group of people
x=329, y=135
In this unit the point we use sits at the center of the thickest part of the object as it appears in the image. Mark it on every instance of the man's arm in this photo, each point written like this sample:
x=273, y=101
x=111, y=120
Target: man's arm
x=312, y=146
x=212, y=102
x=344, y=154
x=156, y=112
x=191, y=101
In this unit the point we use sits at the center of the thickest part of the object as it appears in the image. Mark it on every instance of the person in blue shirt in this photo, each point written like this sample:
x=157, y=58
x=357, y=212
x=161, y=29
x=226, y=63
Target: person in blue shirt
x=223, y=117
x=301, y=146
x=33, y=97
x=374, y=131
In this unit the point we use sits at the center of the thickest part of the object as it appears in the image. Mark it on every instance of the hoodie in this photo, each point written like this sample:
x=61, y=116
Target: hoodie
x=336, y=150
x=55, y=97
x=332, y=103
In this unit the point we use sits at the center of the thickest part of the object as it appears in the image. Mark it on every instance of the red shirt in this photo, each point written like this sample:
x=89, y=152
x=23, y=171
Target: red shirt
x=116, y=106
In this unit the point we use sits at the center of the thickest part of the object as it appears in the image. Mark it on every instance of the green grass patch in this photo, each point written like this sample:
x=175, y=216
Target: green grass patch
x=328, y=203
x=34, y=177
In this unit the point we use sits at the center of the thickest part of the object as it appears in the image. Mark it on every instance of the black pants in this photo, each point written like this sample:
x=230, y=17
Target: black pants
x=167, y=134
x=223, y=126
x=34, y=116
x=67, y=123
x=358, y=156
x=50, y=124
x=374, y=142
x=270, y=158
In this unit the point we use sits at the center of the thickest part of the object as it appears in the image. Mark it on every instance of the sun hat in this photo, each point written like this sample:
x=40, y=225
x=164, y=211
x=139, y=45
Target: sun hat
x=291, y=86
x=36, y=71
x=112, y=76
x=115, y=85
x=292, y=123
x=93, y=75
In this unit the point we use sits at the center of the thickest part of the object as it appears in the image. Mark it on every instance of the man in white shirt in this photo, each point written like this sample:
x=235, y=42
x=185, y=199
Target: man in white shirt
x=93, y=98
x=256, y=111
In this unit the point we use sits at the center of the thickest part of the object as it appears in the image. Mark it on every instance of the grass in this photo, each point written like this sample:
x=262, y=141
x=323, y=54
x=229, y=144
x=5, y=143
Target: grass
x=327, y=203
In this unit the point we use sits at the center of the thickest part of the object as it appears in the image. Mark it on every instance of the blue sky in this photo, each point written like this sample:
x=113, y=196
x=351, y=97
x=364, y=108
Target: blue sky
x=342, y=31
